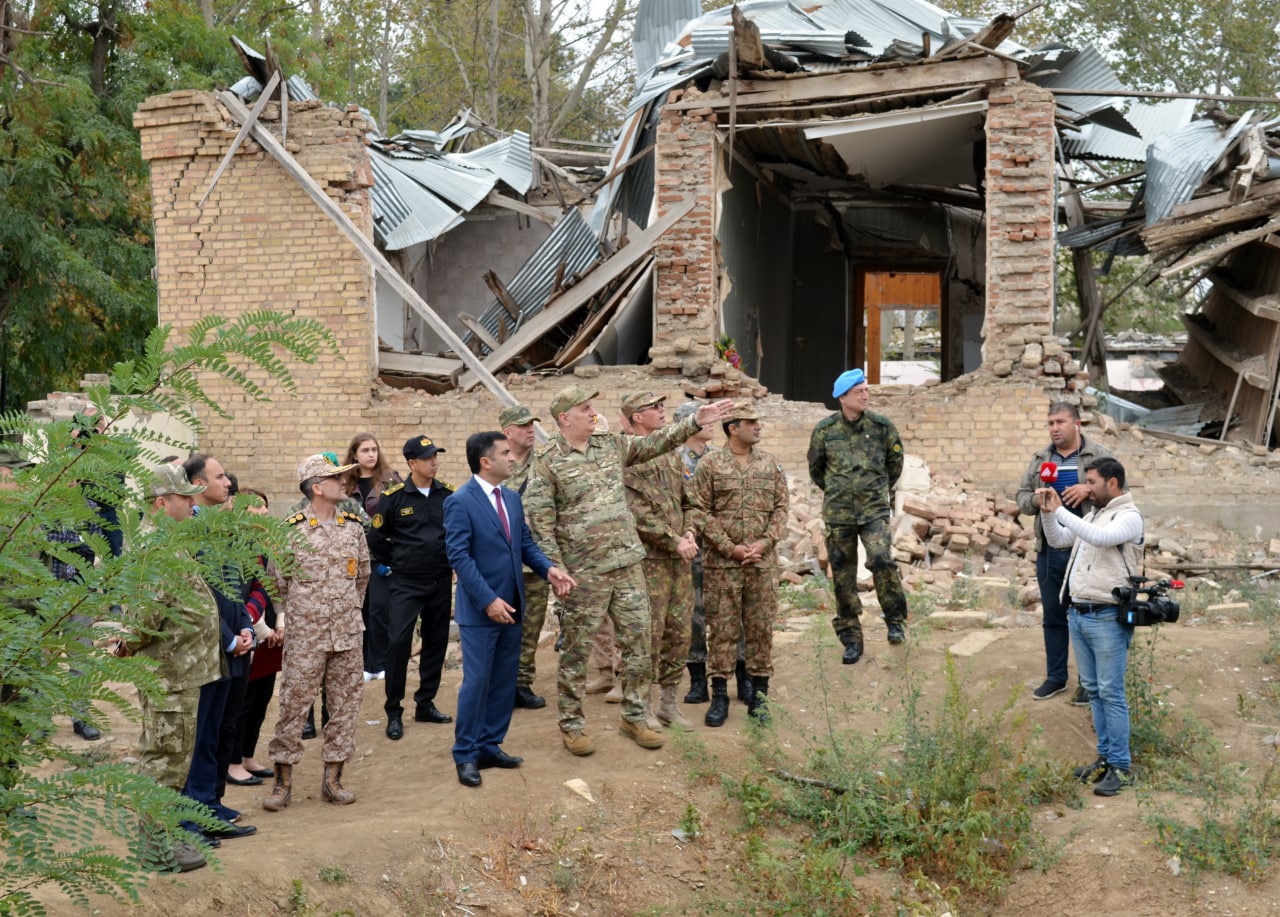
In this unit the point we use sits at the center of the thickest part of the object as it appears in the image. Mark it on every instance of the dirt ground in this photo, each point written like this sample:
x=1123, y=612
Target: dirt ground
x=418, y=843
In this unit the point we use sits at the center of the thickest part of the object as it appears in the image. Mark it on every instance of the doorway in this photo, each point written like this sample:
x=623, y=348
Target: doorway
x=899, y=318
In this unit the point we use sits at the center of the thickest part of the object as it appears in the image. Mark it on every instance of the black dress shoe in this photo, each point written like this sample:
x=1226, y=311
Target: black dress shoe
x=469, y=774
x=501, y=759
x=230, y=831
x=528, y=700
x=253, y=780
x=85, y=731
x=209, y=840
x=429, y=714
x=852, y=653
x=262, y=772
x=395, y=728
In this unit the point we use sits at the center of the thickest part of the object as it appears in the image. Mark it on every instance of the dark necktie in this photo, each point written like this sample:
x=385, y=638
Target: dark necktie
x=502, y=513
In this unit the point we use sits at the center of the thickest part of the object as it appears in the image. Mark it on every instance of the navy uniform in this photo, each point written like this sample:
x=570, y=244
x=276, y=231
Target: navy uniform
x=406, y=543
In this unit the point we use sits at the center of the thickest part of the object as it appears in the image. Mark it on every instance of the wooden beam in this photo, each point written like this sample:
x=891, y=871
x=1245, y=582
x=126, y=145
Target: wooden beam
x=419, y=363
x=366, y=247
x=579, y=295
x=507, y=203
x=493, y=283
x=263, y=98
x=479, y=330
x=930, y=76
x=1230, y=243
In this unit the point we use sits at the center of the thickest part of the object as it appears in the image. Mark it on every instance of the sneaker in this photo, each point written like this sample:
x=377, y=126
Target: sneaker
x=641, y=734
x=1112, y=782
x=1081, y=697
x=1091, y=773
x=578, y=743
x=1048, y=689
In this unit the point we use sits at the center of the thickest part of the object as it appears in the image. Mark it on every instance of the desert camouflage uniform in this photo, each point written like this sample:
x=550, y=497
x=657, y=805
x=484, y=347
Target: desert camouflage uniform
x=352, y=504
x=735, y=504
x=186, y=649
x=536, y=591
x=655, y=493
x=856, y=464
x=577, y=511
x=320, y=604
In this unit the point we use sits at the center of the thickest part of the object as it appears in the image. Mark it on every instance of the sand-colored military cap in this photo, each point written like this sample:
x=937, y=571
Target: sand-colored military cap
x=743, y=412
x=570, y=396
x=638, y=400
x=321, y=466
x=171, y=479
x=516, y=416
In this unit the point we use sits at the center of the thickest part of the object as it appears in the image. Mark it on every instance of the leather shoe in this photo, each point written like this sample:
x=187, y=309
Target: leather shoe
x=897, y=633
x=209, y=840
x=262, y=772
x=395, y=728
x=251, y=781
x=429, y=714
x=469, y=774
x=528, y=700
x=852, y=653
x=85, y=731
x=501, y=759
x=230, y=831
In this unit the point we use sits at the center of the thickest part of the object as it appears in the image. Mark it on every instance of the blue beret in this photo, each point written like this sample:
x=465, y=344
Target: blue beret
x=847, y=380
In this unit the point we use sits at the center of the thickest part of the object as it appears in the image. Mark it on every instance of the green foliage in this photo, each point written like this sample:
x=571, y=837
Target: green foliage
x=813, y=595
x=64, y=816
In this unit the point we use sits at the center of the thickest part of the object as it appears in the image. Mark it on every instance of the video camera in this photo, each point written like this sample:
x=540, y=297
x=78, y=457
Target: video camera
x=1143, y=605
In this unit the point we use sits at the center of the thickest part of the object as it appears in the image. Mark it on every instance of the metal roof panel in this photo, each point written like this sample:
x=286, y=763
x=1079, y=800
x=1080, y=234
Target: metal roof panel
x=1178, y=163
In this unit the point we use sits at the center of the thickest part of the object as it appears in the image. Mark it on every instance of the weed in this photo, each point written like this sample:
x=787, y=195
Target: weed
x=813, y=595
x=565, y=875
x=964, y=591
x=298, y=904
x=702, y=762
x=691, y=821
x=335, y=875
x=921, y=604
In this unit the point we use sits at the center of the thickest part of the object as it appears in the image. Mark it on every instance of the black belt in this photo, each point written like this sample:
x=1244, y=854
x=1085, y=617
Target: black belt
x=1088, y=608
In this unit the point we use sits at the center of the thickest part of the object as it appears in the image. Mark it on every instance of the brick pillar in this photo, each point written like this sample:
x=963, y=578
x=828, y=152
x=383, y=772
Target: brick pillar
x=686, y=301
x=260, y=243
x=1020, y=222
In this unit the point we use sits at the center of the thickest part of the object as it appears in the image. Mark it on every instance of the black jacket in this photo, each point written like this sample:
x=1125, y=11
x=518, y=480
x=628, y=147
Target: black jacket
x=406, y=532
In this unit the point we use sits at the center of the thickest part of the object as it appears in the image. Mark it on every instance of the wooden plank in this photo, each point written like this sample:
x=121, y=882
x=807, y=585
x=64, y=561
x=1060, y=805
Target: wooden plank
x=1264, y=306
x=935, y=76
x=420, y=363
x=263, y=99
x=1211, y=202
x=478, y=371
x=579, y=295
x=1229, y=243
x=479, y=330
x=1229, y=356
x=493, y=283
x=499, y=200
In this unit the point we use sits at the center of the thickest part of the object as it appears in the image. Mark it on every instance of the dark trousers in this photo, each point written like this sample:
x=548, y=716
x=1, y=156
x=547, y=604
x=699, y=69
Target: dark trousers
x=257, y=699
x=1051, y=569
x=229, y=732
x=414, y=600
x=490, y=663
x=202, y=777
x=375, y=614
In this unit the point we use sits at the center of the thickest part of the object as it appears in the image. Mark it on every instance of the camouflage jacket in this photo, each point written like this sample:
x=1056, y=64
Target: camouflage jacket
x=656, y=496
x=320, y=602
x=855, y=464
x=736, y=503
x=184, y=642
x=576, y=502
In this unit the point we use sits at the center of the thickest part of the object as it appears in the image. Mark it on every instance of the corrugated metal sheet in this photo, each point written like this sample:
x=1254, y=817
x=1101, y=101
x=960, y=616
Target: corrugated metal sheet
x=1151, y=120
x=658, y=23
x=405, y=213
x=511, y=159
x=465, y=187
x=1178, y=163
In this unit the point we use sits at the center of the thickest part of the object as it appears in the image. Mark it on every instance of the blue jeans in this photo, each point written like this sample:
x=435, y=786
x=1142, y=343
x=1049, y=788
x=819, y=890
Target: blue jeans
x=1102, y=655
x=1051, y=567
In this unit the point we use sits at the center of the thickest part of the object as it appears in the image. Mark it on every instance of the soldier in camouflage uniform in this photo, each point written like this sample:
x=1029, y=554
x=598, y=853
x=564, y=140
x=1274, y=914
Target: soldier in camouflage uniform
x=855, y=458
x=321, y=601
x=577, y=510
x=740, y=499
x=656, y=495
x=516, y=423
x=185, y=646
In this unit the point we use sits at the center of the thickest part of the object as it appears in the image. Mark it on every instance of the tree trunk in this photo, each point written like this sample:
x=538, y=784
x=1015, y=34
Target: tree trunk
x=206, y=12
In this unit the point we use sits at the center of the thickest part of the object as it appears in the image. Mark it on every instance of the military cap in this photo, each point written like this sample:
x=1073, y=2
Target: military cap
x=570, y=397
x=516, y=416
x=743, y=412
x=420, y=447
x=323, y=465
x=847, y=380
x=687, y=410
x=638, y=400
x=171, y=479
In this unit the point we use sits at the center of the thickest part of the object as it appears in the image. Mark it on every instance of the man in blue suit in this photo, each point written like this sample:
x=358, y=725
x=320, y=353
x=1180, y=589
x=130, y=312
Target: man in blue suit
x=487, y=541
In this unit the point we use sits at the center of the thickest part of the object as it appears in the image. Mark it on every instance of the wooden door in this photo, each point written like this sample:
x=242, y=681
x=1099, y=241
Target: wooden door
x=896, y=290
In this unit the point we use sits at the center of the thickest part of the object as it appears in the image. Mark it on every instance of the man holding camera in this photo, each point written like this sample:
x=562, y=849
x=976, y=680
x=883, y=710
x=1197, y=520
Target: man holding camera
x=1106, y=549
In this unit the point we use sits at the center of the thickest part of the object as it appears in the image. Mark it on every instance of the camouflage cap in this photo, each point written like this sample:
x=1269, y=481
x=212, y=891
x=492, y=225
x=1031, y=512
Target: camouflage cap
x=321, y=466
x=570, y=396
x=516, y=416
x=634, y=402
x=687, y=410
x=171, y=479
x=743, y=412
x=420, y=447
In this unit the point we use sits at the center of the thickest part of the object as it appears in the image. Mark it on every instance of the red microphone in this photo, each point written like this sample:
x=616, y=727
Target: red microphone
x=1048, y=473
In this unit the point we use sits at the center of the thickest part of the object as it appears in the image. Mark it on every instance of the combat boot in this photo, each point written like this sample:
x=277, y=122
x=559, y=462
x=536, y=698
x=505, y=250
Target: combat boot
x=668, y=713
x=282, y=791
x=650, y=711
x=697, y=684
x=600, y=682
x=718, y=712
x=758, y=709
x=615, y=693
x=744, y=682
x=641, y=734
x=331, y=787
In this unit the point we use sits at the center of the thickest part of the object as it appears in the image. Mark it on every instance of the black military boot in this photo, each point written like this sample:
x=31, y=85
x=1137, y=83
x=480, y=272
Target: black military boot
x=697, y=684
x=718, y=712
x=758, y=709
x=744, y=682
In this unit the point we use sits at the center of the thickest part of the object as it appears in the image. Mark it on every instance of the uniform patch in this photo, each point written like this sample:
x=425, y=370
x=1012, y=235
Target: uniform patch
x=296, y=518
x=406, y=511
x=897, y=447
x=352, y=568
x=377, y=520
x=313, y=522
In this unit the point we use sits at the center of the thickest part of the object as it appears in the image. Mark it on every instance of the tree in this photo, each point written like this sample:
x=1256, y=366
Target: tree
x=54, y=829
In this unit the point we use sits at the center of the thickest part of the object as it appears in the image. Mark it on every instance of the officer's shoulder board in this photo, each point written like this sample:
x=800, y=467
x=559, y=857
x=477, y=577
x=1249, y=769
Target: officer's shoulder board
x=827, y=421
x=348, y=516
x=296, y=518
x=393, y=488
x=448, y=488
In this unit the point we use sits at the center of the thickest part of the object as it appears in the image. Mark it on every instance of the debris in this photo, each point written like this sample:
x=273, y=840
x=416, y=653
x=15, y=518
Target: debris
x=580, y=787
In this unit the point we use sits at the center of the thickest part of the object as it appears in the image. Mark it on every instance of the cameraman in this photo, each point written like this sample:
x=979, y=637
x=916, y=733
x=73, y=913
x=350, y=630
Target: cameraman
x=1106, y=549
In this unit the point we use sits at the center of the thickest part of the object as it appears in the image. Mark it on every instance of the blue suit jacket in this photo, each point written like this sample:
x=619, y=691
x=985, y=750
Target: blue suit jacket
x=487, y=565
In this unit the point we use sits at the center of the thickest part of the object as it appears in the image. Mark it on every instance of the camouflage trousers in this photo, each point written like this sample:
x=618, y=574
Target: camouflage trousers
x=532, y=617
x=606, y=657
x=304, y=670
x=842, y=551
x=670, y=601
x=698, y=621
x=618, y=596
x=741, y=603
x=168, y=737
